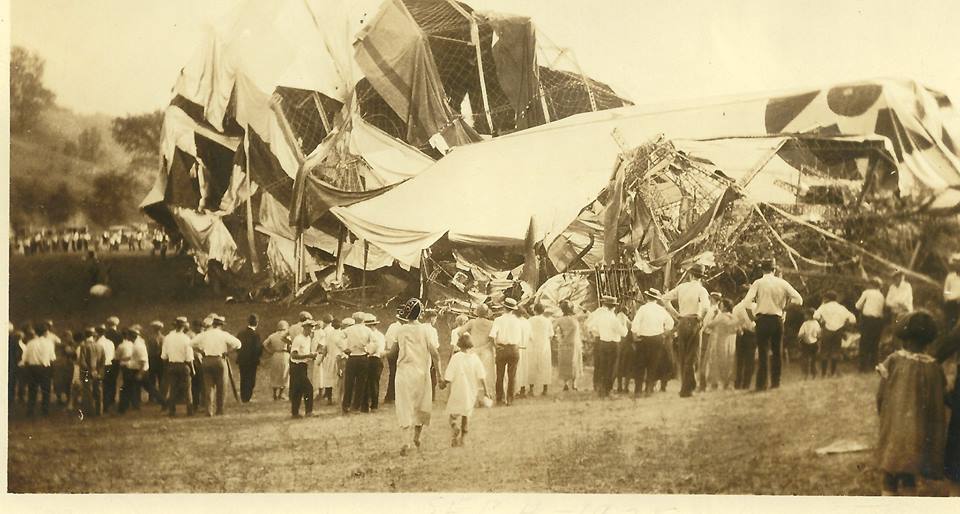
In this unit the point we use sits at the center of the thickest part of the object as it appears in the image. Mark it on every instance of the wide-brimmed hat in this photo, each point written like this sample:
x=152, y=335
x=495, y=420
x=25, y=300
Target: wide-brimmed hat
x=653, y=293
x=308, y=323
x=410, y=310
x=182, y=320
x=954, y=258
x=347, y=322
x=370, y=319
x=608, y=300
x=216, y=318
x=304, y=315
x=137, y=329
x=113, y=320
x=510, y=303
x=359, y=316
x=156, y=323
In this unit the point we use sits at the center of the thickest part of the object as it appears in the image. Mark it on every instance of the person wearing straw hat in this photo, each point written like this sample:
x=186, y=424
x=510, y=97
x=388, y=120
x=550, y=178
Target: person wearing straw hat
x=414, y=397
x=358, y=338
x=951, y=293
x=214, y=344
x=771, y=294
x=277, y=348
x=606, y=330
x=693, y=303
x=870, y=305
x=375, y=351
x=650, y=325
x=177, y=355
x=507, y=334
x=302, y=355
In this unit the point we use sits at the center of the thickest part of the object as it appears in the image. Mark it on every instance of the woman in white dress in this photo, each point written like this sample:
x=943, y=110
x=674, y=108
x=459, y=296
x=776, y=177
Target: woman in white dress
x=333, y=341
x=464, y=373
x=414, y=396
x=276, y=347
x=539, y=363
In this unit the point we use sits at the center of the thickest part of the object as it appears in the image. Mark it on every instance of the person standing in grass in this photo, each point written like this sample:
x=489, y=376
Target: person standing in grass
x=277, y=349
x=746, y=353
x=459, y=322
x=718, y=366
x=650, y=326
x=38, y=359
x=91, y=362
x=479, y=330
x=693, y=303
x=333, y=346
x=214, y=344
x=870, y=305
x=177, y=356
x=392, y=353
x=809, y=339
x=539, y=358
x=414, y=388
x=464, y=373
x=833, y=318
x=508, y=334
x=301, y=358
x=771, y=294
x=569, y=347
x=899, y=296
x=910, y=402
x=154, y=379
x=358, y=338
x=951, y=292
x=248, y=357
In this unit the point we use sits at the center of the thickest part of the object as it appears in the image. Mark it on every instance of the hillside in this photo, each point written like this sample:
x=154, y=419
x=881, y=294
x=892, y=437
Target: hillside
x=51, y=184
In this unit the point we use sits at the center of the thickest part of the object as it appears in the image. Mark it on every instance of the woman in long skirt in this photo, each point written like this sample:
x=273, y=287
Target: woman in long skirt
x=539, y=363
x=414, y=396
x=569, y=347
x=279, y=358
x=334, y=344
x=479, y=330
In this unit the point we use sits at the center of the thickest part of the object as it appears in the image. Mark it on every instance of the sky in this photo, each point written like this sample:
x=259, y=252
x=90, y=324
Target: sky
x=122, y=56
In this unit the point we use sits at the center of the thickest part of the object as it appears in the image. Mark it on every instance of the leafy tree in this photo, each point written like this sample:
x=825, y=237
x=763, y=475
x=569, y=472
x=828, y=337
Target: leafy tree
x=88, y=144
x=60, y=204
x=112, y=198
x=139, y=135
x=28, y=96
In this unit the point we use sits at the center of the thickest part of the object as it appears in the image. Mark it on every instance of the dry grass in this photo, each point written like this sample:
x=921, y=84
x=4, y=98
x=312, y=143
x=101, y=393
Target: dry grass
x=718, y=442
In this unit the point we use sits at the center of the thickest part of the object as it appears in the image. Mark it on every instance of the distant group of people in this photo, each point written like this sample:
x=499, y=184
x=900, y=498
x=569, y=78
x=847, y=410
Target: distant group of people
x=83, y=240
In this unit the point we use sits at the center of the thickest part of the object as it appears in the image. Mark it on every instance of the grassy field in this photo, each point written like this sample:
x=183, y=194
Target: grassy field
x=718, y=442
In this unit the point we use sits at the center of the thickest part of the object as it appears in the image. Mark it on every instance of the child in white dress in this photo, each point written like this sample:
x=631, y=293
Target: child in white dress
x=464, y=373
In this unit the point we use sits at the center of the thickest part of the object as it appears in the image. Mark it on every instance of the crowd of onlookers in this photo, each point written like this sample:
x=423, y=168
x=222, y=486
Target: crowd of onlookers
x=83, y=240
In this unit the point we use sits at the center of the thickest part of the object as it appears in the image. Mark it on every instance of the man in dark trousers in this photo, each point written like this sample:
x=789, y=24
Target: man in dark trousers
x=14, y=355
x=771, y=294
x=153, y=382
x=248, y=357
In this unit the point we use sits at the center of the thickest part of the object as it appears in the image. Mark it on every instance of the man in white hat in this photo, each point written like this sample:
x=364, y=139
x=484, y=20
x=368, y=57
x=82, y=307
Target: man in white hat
x=650, y=326
x=177, y=356
x=507, y=334
x=375, y=352
x=693, y=303
x=214, y=344
x=606, y=330
x=951, y=293
x=358, y=338
x=302, y=355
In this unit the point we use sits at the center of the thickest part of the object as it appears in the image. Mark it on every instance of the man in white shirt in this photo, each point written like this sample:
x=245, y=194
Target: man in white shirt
x=132, y=364
x=746, y=346
x=693, y=303
x=37, y=361
x=177, y=356
x=771, y=294
x=951, y=293
x=650, y=324
x=899, y=296
x=375, y=351
x=214, y=344
x=358, y=338
x=301, y=357
x=606, y=330
x=870, y=304
x=507, y=334
x=833, y=318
